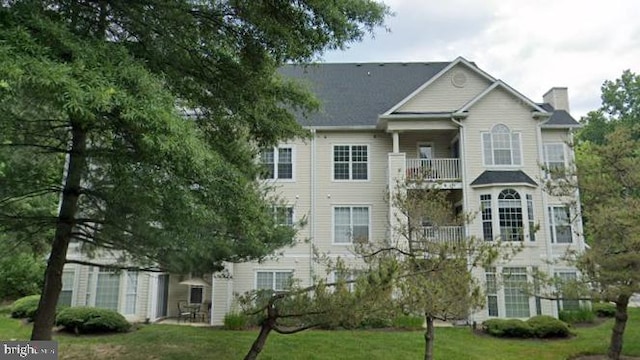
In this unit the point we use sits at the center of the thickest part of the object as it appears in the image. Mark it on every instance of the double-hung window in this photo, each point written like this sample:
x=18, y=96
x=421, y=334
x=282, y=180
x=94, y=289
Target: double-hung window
x=567, y=279
x=554, y=160
x=350, y=224
x=66, y=294
x=132, y=292
x=107, y=289
x=350, y=162
x=501, y=146
x=487, y=226
x=560, y=224
x=283, y=215
x=277, y=163
x=196, y=294
x=492, y=291
x=273, y=280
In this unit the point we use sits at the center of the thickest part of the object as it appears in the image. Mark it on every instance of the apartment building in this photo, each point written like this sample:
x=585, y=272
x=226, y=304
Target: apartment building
x=381, y=124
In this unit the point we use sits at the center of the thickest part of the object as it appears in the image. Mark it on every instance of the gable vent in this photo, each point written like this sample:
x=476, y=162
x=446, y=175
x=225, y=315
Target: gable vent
x=459, y=79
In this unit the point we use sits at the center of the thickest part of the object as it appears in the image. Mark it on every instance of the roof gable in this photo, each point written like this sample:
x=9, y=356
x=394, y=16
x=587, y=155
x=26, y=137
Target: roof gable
x=499, y=84
x=459, y=61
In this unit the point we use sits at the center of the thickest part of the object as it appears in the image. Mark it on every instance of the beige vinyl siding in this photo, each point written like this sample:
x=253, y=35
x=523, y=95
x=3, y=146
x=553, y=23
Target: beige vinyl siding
x=332, y=193
x=221, y=303
x=500, y=107
x=442, y=95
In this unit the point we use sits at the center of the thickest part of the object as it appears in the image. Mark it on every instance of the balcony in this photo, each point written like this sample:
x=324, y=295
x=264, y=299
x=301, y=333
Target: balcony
x=439, y=234
x=433, y=170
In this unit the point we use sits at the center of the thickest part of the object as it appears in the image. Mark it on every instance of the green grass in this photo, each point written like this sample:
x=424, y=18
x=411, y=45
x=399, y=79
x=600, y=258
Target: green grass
x=161, y=342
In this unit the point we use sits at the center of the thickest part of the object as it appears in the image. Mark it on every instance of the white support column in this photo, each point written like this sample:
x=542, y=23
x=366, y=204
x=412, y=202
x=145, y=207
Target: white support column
x=396, y=142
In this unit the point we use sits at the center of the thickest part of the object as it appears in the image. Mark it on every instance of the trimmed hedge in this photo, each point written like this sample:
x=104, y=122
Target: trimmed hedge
x=541, y=326
x=548, y=327
x=25, y=307
x=508, y=328
x=87, y=320
x=604, y=309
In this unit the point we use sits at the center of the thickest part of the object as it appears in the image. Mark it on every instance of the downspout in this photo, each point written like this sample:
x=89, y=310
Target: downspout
x=463, y=173
x=312, y=203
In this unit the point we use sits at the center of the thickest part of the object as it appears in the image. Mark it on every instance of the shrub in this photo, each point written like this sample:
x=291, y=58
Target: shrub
x=235, y=321
x=604, y=309
x=408, y=322
x=85, y=320
x=507, y=328
x=20, y=275
x=583, y=315
x=544, y=326
x=375, y=322
x=25, y=307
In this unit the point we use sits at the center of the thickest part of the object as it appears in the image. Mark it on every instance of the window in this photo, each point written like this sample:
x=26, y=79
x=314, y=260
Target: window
x=501, y=146
x=66, y=293
x=346, y=276
x=560, y=225
x=278, y=163
x=195, y=294
x=492, y=291
x=516, y=300
x=350, y=224
x=554, y=160
x=510, y=214
x=273, y=280
x=532, y=226
x=107, y=289
x=566, y=278
x=350, y=162
x=487, y=226
x=131, y=292
x=284, y=215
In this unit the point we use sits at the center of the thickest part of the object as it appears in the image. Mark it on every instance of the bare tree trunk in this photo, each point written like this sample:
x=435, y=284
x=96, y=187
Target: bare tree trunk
x=617, y=333
x=265, y=328
x=45, y=316
x=429, y=337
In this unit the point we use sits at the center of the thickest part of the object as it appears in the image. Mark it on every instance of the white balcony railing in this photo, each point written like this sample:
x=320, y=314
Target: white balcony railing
x=441, y=234
x=433, y=169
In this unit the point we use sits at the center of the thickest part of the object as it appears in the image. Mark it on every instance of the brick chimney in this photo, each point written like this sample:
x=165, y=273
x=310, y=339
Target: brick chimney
x=558, y=97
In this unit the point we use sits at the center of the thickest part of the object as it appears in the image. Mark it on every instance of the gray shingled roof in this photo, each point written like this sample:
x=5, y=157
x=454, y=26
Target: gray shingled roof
x=490, y=177
x=559, y=117
x=355, y=94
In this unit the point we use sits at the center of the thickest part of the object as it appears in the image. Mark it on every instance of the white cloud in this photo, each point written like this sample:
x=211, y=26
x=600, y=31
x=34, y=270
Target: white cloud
x=532, y=45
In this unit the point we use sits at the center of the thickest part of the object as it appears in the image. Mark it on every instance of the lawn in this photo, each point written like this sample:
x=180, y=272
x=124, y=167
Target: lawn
x=183, y=342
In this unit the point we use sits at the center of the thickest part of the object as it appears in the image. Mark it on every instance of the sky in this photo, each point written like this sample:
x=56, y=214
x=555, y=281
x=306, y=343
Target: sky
x=532, y=45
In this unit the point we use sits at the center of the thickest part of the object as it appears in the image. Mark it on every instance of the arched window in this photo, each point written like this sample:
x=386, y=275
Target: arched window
x=501, y=146
x=510, y=215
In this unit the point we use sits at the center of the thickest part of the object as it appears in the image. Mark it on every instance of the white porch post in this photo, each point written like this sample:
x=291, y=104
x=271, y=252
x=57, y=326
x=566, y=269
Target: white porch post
x=396, y=141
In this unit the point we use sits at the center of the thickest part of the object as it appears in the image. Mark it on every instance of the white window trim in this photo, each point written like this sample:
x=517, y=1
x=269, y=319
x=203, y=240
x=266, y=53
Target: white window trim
x=275, y=164
x=502, y=309
x=484, y=159
x=333, y=168
x=125, y=293
x=552, y=224
x=333, y=222
x=565, y=155
x=273, y=271
x=288, y=206
x=495, y=213
x=91, y=292
x=75, y=284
